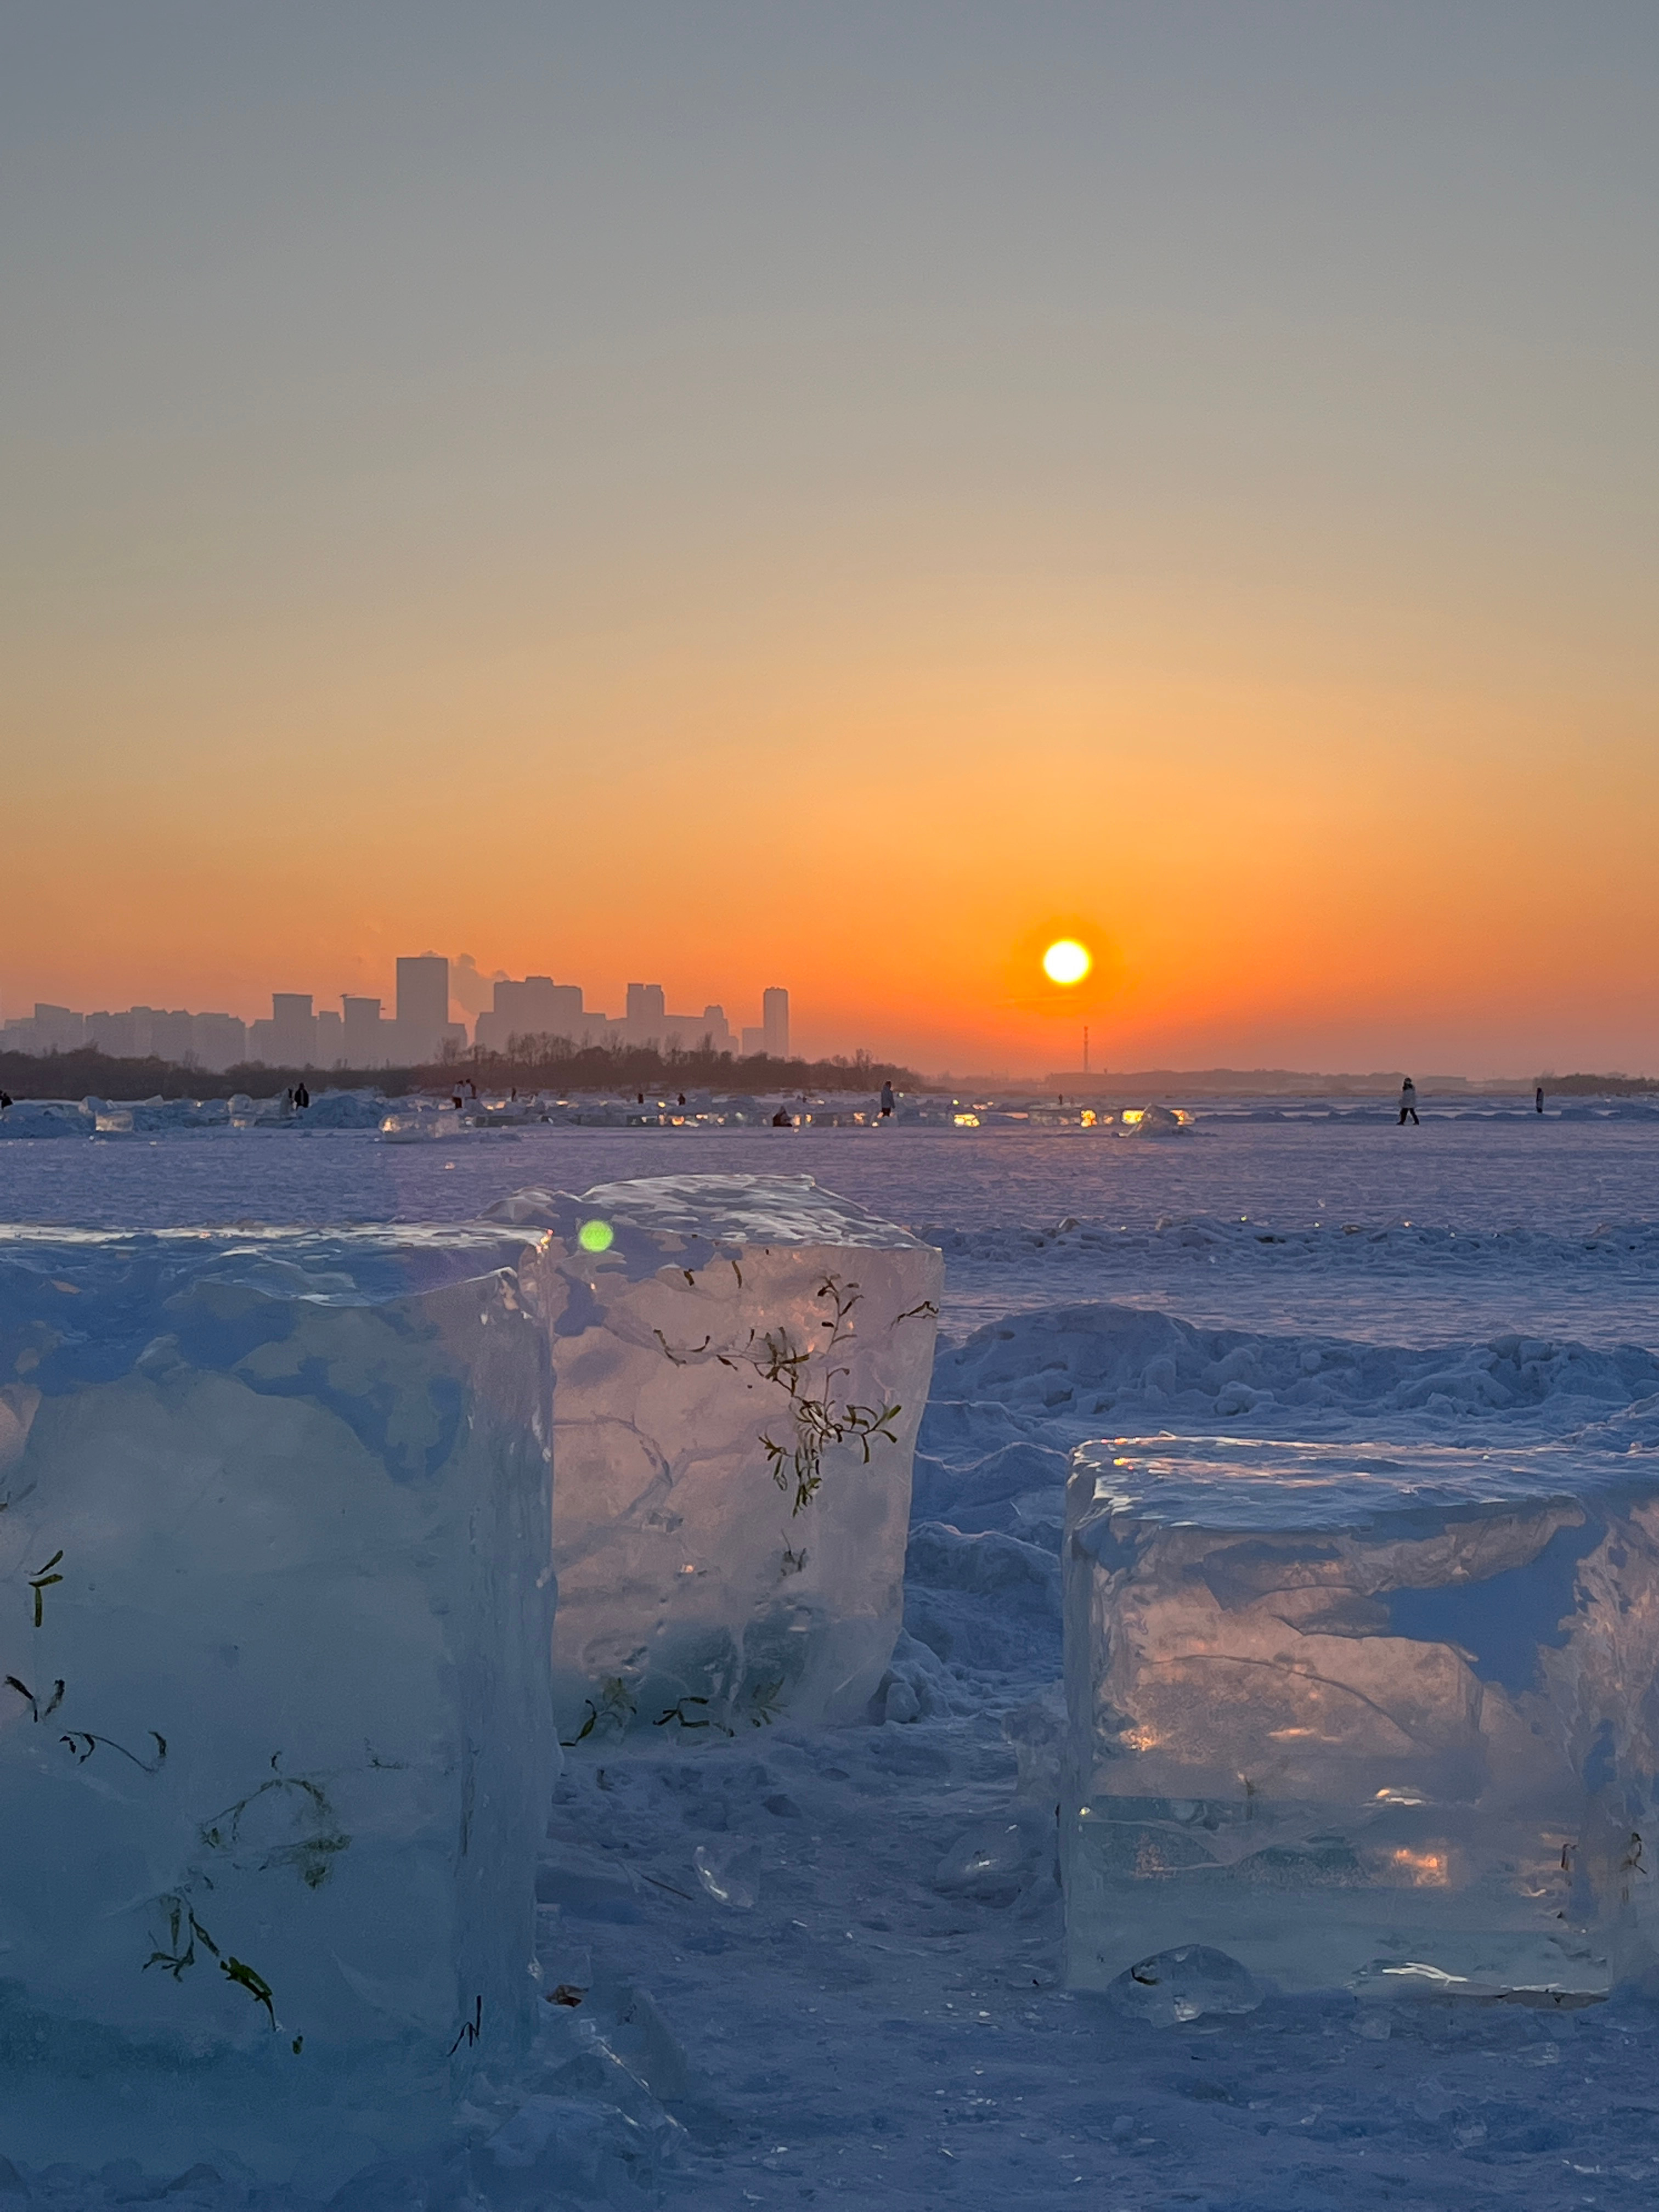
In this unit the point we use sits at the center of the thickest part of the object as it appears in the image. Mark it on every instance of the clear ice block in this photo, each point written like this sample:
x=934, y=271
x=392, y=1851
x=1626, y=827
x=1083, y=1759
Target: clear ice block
x=741, y=1364
x=275, y=1746
x=1380, y=1715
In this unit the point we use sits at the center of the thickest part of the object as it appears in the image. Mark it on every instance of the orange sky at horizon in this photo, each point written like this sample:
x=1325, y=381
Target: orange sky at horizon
x=840, y=499
x=1419, y=875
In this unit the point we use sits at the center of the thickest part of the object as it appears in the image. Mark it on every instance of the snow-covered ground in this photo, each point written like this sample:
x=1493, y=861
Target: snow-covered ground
x=830, y=1962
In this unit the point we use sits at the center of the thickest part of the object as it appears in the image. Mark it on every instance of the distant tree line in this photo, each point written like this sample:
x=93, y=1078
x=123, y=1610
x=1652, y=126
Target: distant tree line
x=1598, y=1086
x=528, y=1063
x=555, y=1063
x=91, y=1074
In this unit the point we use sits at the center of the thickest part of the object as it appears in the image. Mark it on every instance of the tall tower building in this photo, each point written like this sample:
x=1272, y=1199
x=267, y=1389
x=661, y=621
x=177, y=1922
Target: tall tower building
x=361, y=1027
x=293, y=1028
x=423, y=1005
x=646, y=1021
x=774, y=1022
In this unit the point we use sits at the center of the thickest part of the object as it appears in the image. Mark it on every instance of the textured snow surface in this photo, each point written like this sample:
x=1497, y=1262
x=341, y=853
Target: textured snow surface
x=871, y=2013
x=1378, y=1226
x=741, y=1364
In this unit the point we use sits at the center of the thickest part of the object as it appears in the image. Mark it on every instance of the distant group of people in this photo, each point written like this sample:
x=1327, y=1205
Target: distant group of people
x=299, y=1098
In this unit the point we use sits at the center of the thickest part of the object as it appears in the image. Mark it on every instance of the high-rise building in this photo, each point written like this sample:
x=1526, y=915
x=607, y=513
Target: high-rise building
x=293, y=1028
x=221, y=1041
x=211, y=1041
x=172, y=1035
x=294, y=1035
x=537, y=1007
x=363, y=1042
x=423, y=1005
x=115, y=1035
x=51, y=1029
x=647, y=1013
x=423, y=990
x=288, y=1039
x=774, y=1022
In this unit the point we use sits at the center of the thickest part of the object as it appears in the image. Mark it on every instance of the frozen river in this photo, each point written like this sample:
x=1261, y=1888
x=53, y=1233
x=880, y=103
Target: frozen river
x=881, y=2026
x=1351, y=1226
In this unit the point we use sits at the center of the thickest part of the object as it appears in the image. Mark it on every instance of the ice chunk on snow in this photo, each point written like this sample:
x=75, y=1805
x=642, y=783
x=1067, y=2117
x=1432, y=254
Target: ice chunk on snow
x=46, y=1117
x=1182, y=1985
x=275, y=1724
x=730, y=1870
x=1341, y=1710
x=999, y=1858
x=741, y=1364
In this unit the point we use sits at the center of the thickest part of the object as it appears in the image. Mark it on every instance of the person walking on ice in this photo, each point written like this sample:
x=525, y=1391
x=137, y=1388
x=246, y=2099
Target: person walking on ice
x=886, y=1101
x=1409, y=1102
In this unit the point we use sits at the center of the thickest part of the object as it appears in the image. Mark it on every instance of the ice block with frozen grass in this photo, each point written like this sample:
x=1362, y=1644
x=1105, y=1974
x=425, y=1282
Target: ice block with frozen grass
x=275, y=1725
x=741, y=1363
x=1384, y=1716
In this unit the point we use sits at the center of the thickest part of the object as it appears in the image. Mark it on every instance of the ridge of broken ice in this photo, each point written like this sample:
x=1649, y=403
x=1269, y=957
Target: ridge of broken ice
x=1078, y=1362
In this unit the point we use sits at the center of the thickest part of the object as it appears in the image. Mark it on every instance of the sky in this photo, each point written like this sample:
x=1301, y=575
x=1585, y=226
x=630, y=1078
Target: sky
x=836, y=495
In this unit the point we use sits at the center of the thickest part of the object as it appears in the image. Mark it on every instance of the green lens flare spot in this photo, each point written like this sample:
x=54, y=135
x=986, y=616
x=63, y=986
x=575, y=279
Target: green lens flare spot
x=596, y=1236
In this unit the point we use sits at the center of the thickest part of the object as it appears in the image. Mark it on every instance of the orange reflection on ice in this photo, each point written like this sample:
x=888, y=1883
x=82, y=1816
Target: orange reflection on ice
x=1427, y=1869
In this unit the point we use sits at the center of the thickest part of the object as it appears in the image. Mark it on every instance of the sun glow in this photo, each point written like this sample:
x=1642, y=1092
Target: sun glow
x=1067, y=961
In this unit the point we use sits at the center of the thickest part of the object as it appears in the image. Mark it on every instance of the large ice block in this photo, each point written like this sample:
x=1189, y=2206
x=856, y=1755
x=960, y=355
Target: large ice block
x=1378, y=1715
x=276, y=1746
x=741, y=1363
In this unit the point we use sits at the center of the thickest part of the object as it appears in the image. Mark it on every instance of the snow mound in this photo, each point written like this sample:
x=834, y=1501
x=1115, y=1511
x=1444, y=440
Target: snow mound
x=1084, y=1361
x=983, y=1603
x=343, y=1110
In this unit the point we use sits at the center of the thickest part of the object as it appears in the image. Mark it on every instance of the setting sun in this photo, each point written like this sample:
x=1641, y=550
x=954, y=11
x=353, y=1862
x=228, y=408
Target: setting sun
x=1066, y=962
